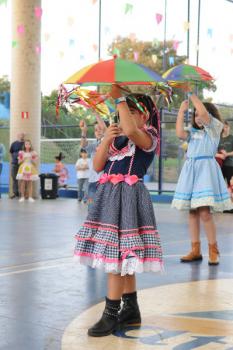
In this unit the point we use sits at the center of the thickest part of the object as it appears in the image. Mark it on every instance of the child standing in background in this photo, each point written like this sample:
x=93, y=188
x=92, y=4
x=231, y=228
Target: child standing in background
x=83, y=169
x=201, y=188
x=27, y=172
x=99, y=129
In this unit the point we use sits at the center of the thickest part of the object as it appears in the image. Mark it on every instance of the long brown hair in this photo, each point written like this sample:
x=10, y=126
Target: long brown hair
x=24, y=148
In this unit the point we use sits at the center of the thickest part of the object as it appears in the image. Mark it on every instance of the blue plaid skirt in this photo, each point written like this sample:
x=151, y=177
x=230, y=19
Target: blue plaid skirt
x=120, y=234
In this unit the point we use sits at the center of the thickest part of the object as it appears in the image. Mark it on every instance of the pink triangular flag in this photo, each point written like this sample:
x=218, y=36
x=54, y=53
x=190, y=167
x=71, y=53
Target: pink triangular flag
x=175, y=44
x=135, y=54
x=158, y=17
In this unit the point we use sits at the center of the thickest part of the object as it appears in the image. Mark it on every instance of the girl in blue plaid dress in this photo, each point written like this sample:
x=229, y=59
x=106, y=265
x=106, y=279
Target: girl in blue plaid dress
x=120, y=234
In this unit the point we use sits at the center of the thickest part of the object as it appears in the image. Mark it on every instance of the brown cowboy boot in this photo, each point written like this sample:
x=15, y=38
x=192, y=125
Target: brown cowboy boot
x=194, y=255
x=213, y=254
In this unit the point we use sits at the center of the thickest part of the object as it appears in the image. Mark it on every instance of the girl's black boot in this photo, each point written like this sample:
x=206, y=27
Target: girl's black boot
x=109, y=320
x=130, y=313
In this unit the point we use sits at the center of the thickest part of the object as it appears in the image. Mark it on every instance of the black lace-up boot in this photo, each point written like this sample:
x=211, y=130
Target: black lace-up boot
x=109, y=320
x=130, y=313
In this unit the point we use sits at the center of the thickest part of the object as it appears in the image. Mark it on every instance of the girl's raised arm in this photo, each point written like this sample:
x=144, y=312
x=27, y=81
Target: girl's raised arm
x=200, y=108
x=180, y=132
x=128, y=122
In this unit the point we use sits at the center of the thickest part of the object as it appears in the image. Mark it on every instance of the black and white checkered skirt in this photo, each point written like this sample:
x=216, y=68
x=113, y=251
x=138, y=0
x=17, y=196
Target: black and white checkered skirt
x=120, y=233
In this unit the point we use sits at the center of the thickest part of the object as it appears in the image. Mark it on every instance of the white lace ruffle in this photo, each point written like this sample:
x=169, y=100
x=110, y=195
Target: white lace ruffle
x=128, y=267
x=151, y=131
x=129, y=153
x=202, y=202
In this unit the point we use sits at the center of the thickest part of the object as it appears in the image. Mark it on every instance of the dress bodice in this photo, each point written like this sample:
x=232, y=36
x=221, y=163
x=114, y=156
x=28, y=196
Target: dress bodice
x=205, y=142
x=126, y=158
x=27, y=157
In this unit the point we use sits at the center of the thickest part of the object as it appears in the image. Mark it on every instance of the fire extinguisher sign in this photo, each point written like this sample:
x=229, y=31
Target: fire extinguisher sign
x=25, y=115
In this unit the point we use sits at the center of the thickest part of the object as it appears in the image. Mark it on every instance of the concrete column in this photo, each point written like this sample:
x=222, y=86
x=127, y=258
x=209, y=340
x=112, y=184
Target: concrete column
x=25, y=76
x=26, y=67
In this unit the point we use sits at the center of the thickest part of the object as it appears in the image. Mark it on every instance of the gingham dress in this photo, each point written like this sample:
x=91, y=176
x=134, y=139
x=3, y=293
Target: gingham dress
x=120, y=234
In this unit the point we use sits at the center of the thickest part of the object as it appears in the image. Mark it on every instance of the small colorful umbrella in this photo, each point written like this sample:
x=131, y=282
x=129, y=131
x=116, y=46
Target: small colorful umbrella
x=182, y=74
x=115, y=71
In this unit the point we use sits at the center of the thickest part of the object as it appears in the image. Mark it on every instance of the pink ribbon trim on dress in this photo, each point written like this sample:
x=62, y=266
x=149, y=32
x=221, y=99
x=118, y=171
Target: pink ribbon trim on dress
x=116, y=178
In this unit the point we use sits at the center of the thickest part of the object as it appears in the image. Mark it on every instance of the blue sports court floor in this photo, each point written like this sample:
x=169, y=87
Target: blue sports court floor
x=48, y=302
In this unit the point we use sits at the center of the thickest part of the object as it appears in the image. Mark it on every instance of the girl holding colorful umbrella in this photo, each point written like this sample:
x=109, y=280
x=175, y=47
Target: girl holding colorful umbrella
x=201, y=188
x=120, y=234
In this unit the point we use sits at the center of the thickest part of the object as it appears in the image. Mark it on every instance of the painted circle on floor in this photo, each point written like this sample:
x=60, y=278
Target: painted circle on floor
x=183, y=316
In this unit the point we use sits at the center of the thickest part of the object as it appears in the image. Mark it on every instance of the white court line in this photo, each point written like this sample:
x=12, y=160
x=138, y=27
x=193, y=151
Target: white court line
x=33, y=269
x=42, y=265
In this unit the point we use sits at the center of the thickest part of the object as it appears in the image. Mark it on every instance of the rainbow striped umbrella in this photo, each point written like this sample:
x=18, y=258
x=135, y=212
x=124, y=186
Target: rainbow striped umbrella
x=115, y=71
x=183, y=73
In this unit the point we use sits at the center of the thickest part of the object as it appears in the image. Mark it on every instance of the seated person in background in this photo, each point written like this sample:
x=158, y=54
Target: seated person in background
x=61, y=171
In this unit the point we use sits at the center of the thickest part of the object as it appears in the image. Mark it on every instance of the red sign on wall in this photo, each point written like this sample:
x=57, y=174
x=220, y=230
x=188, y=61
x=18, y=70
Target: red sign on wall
x=25, y=115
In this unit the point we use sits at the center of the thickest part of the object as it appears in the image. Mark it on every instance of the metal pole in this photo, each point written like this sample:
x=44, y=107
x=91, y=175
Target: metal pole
x=198, y=31
x=100, y=13
x=160, y=172
x=164, y=37
x=188, y=31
